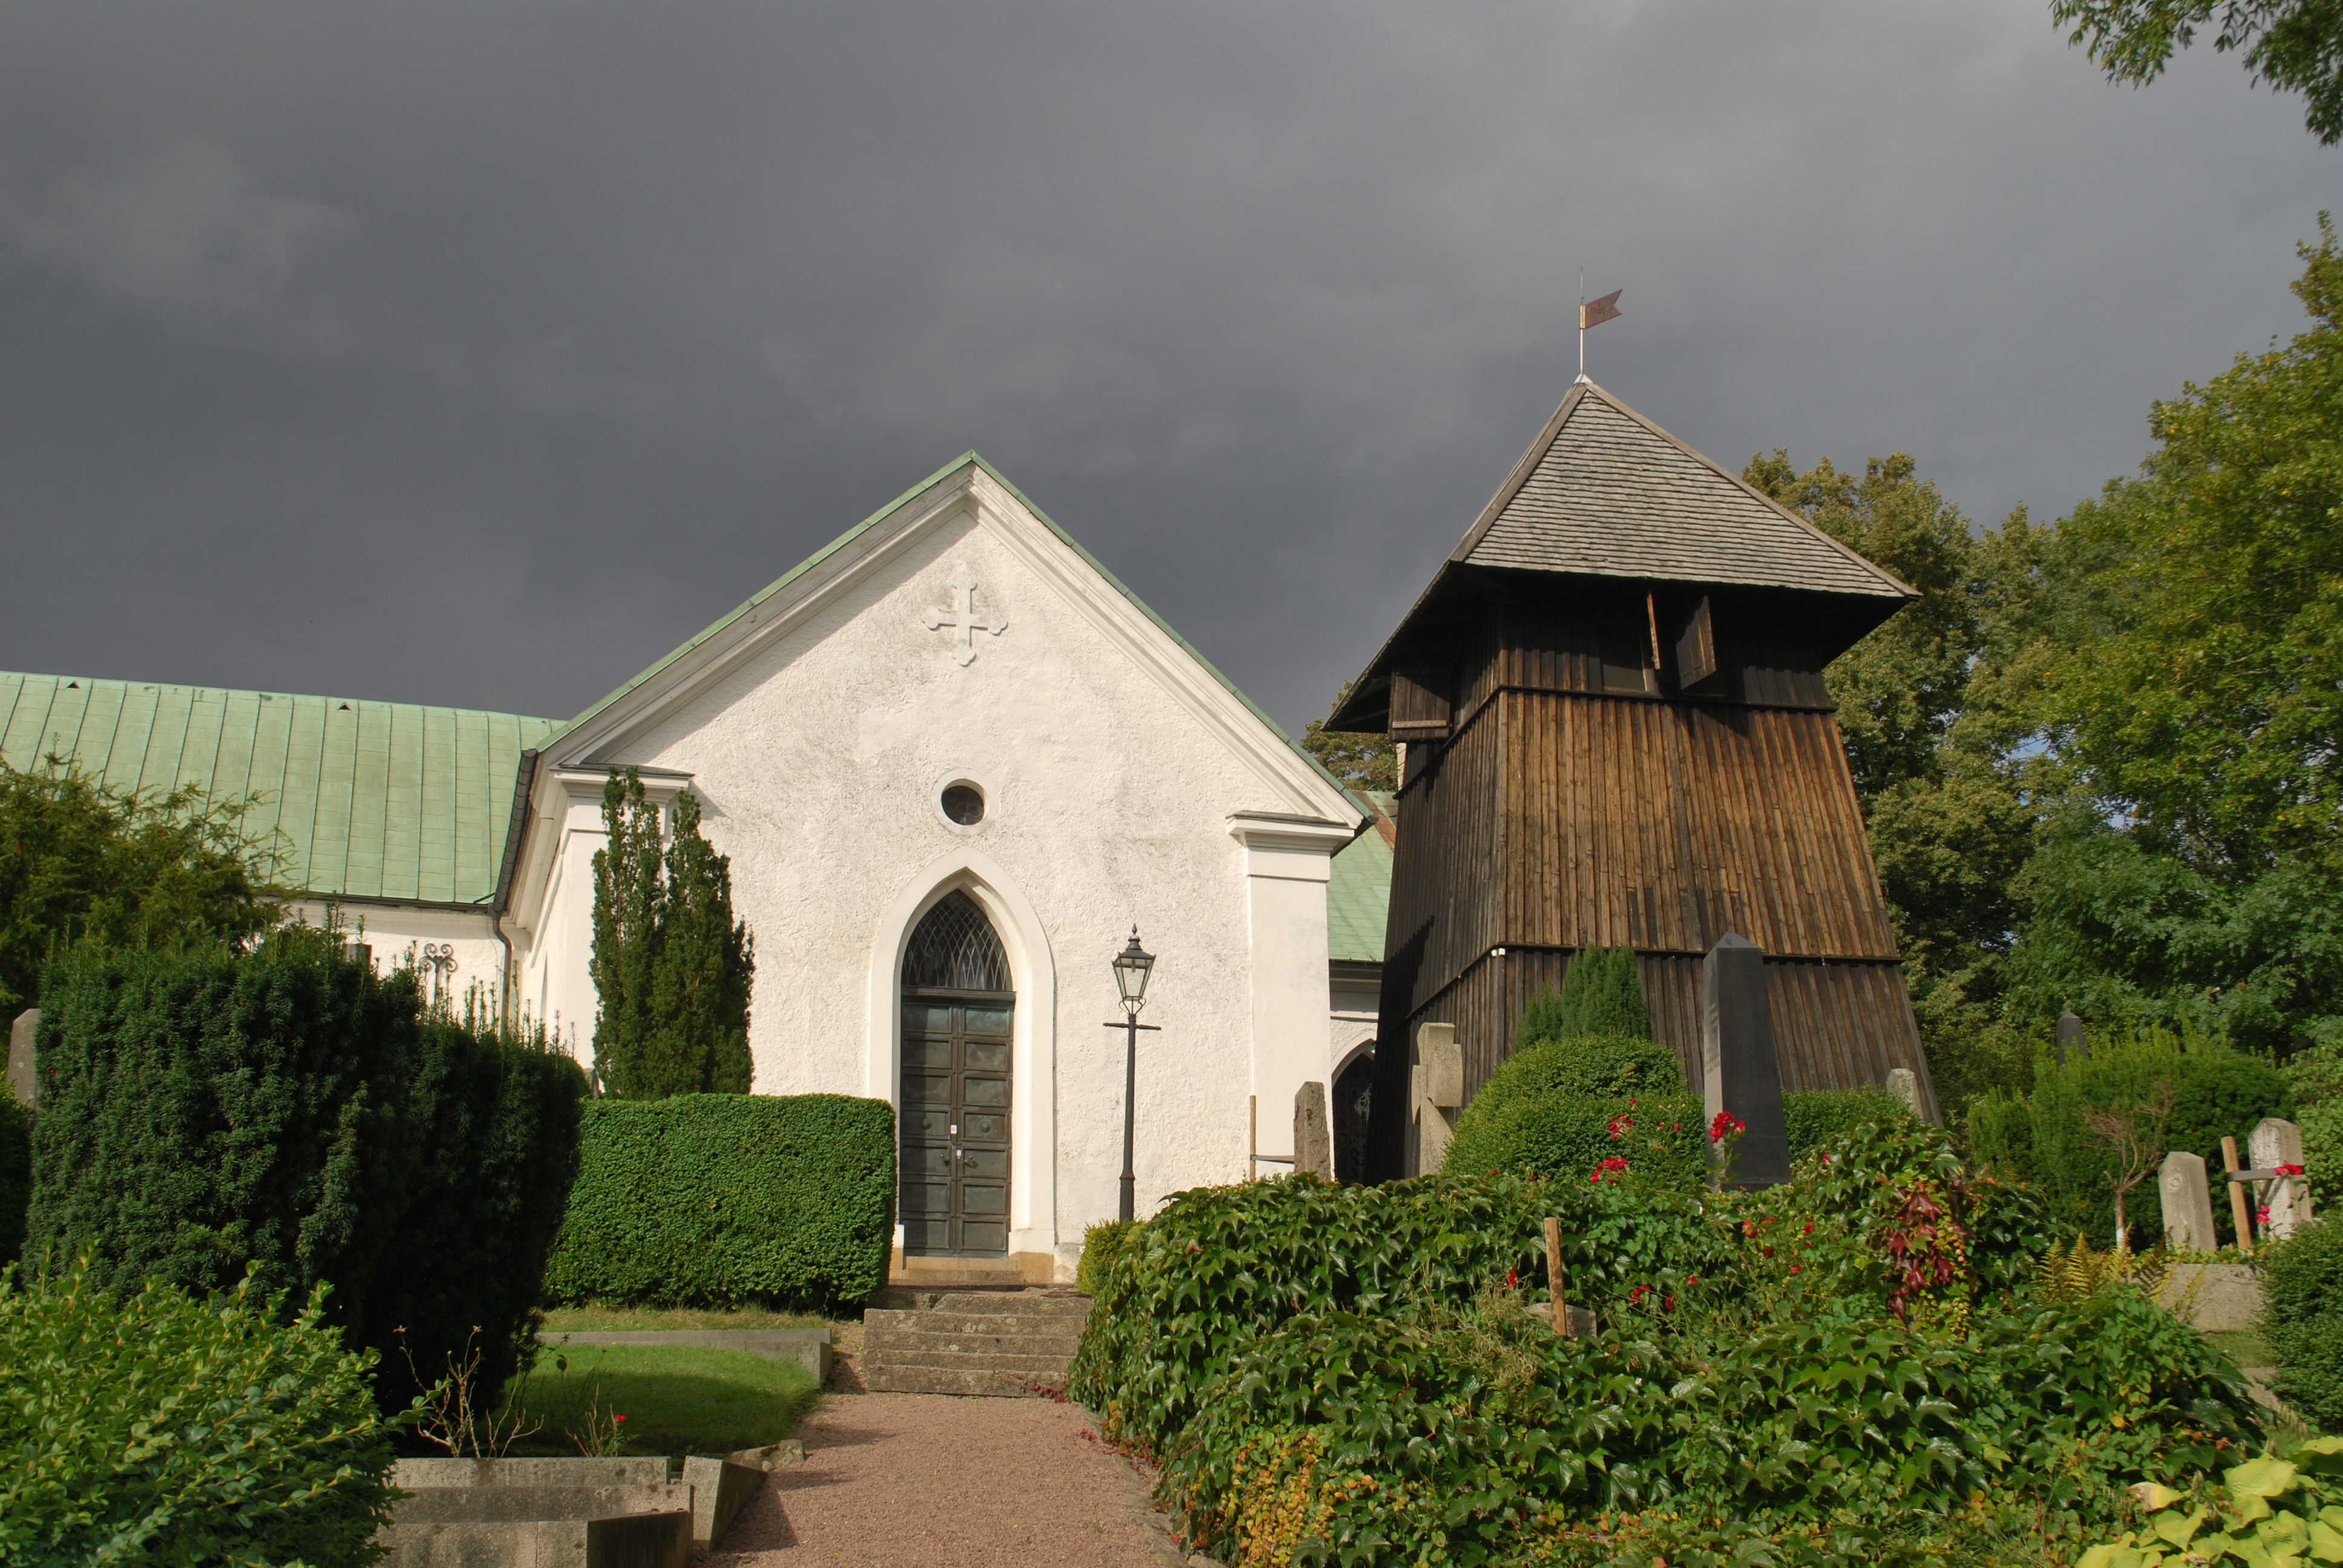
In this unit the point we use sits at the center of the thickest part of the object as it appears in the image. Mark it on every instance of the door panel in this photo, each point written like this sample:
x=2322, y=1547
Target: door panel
x=955, y=1129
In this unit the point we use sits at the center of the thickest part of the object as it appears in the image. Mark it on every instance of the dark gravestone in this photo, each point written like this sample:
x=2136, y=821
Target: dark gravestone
x=1739, y=1072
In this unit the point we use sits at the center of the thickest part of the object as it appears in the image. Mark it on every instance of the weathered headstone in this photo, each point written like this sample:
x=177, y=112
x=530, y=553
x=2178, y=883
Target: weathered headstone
x=1313, y=1140
x=2278, y=1142
x=1739, y=1071
x=2070, y=1037
x=1905, y=1085
x=2188, y=1204
x=20, y=1054
x=1438, y=1090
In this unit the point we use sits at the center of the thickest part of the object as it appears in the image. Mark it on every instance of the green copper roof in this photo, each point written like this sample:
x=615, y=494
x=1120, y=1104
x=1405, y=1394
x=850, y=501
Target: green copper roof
x=373, y=800
x=1358, y=891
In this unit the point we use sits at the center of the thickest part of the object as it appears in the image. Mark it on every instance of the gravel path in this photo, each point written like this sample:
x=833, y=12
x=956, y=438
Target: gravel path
x=925, y=1480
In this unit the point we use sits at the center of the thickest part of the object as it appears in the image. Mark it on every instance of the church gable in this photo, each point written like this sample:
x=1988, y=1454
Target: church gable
x=863, y=572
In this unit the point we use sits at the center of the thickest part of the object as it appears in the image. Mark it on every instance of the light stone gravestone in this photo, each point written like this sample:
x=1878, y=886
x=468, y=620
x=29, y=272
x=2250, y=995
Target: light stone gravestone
x=2275, y=1142
x=1313, y=1138
x=20, y=1054
x=2188, y=1204
x=1739, y=1071
x=1905, y=1085
x=1437, y=1085
x=2070, y=1037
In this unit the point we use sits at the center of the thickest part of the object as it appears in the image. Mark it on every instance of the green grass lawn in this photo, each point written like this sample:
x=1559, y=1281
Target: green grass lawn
x=600, y=1317
x=677, y=1399
x=2242, y=1346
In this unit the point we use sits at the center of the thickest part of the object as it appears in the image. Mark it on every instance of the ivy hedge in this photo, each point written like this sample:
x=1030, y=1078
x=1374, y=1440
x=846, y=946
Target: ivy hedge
x=721, y=1200
x=292, y=1112
x=1814, y=1119
x=1855, y=1368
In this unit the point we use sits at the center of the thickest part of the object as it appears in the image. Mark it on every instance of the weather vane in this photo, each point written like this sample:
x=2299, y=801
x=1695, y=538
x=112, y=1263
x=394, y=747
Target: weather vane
x=1592, y=313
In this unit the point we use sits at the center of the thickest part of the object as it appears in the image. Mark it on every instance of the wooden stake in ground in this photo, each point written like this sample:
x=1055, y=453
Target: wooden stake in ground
x=2238, y=1196
x=1554, y=1275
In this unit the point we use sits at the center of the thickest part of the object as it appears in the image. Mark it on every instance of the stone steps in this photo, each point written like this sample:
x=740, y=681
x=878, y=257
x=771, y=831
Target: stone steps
x=972, y=1342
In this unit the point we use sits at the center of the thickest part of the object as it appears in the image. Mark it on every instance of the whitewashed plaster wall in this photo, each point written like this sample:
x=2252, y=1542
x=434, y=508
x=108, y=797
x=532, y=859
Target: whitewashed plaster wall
x=819, y=759
x=399, y=933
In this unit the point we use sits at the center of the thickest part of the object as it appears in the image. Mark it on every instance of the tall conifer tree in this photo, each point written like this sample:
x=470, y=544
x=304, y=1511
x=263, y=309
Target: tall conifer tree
x=672, y=969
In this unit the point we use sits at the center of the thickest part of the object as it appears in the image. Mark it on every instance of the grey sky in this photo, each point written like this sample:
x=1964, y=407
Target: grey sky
x=477, y=353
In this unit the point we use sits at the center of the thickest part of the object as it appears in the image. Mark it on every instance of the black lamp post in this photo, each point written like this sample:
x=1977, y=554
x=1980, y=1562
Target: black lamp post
x=1131, y=968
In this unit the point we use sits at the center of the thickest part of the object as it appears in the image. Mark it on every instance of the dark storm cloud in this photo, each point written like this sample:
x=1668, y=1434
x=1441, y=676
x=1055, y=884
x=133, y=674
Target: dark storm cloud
x=478, y=353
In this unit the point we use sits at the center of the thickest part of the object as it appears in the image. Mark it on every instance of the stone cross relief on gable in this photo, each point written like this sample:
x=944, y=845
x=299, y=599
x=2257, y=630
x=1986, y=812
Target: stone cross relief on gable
x=965, y=623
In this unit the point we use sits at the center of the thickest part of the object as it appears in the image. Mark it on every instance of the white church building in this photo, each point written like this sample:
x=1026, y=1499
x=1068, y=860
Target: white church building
x=954, y=763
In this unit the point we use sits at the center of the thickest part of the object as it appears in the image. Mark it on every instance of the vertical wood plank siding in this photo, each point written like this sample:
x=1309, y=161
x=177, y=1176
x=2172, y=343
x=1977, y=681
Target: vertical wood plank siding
x=1837, y=1025
x=1558, y=817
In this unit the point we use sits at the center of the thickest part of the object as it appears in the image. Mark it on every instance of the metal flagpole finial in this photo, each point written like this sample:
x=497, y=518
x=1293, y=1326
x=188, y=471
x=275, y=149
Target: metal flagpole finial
x=1592, y=313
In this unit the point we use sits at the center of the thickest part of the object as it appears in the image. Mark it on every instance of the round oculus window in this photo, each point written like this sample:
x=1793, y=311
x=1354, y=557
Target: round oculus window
x=964, y=804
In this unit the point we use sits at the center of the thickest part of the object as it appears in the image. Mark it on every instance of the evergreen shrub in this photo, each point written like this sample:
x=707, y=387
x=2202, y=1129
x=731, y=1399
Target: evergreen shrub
x=158, y=1428
x=2302, y=1321
x=1817, y=1118
x=2040, y=1139
x=16, y=1173
x=1602, y=994
x=1561, y=1108
x=725, y=1200
x=292, y=1112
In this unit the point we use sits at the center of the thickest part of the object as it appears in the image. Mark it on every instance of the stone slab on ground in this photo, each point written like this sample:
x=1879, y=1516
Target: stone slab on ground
x=809, y=1348
x=893, y=1481
x=635, y=1540
x=2215, y=1298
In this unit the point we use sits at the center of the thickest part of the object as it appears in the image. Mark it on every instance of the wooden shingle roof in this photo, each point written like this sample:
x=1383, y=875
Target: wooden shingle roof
x=1605, y=492
x=366, y=800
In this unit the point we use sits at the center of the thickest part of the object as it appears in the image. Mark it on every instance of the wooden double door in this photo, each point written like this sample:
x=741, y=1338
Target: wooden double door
x=954, y=1122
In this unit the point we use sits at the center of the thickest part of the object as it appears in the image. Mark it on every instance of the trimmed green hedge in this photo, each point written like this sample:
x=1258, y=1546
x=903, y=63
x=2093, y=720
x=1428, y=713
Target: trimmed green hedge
x=1562, y=1107
x=156, y=1427
x=722, y=1200
x=1817, y=1118
x=291, y=1110
x=2302, y=1320
x=2039, y=1138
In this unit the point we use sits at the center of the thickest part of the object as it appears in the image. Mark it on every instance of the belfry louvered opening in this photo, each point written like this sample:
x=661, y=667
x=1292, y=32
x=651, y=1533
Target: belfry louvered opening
x=955, y=948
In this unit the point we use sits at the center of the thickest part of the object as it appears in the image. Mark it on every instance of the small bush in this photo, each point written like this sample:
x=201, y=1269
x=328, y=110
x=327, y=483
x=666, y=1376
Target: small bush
x=158, y=1429
x=1818, y=1117
x=15, y=1174
x=1101, y=1242
x=2302, y=1321
x=1562, y=1107
x=713, y=1199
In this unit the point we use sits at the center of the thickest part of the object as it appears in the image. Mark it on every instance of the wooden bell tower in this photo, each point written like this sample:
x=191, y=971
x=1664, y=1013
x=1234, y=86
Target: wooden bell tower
x=1618, y=735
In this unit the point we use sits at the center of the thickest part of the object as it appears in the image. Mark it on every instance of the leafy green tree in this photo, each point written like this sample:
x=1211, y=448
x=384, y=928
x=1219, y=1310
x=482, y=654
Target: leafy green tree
x=1361, y=761
x=2294, y=44
x=673, y=969
x=2195, y=712
x=81, y=862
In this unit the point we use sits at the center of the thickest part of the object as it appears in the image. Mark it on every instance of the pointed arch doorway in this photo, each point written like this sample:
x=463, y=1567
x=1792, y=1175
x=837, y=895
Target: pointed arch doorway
x=959, y=1012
